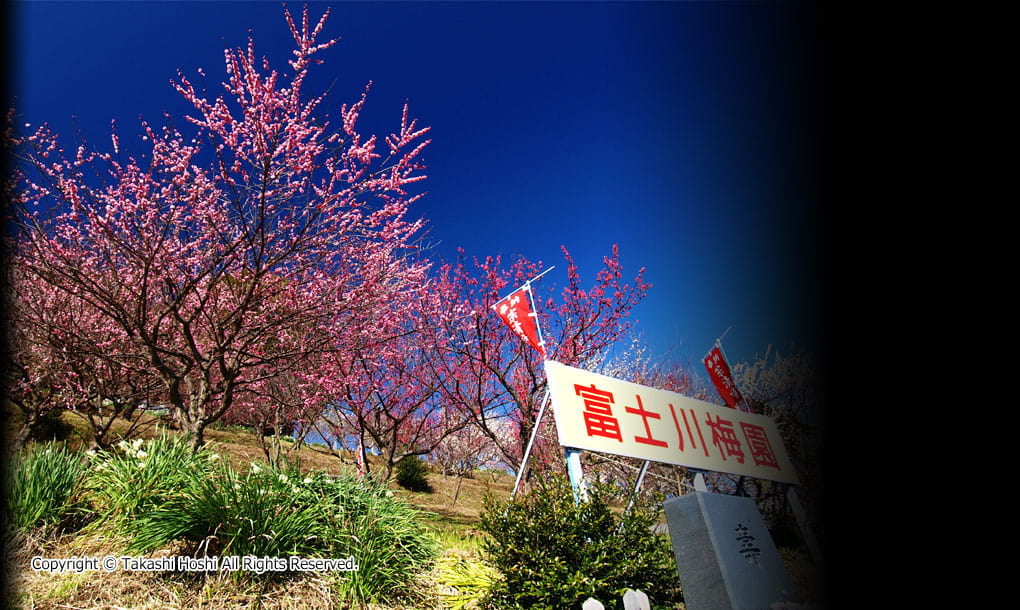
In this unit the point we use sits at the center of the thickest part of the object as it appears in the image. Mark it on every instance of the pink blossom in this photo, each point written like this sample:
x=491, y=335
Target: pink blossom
x=250, y=242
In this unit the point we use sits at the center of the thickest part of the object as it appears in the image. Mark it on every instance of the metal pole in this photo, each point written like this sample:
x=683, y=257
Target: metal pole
x=527, y=450
x=534, y=314
x=545, y=399
x=634, y=492
x=746, y=406
x=525, y=284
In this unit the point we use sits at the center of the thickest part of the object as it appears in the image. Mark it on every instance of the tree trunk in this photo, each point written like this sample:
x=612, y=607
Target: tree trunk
x=21, y=438
x=277, y=443
x=194, y=428
x=456, y=492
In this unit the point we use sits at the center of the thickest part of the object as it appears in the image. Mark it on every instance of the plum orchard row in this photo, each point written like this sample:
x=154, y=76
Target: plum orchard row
x=256, y=262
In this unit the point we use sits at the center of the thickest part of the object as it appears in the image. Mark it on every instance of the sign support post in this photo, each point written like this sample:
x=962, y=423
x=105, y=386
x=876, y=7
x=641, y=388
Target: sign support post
x=802, y=521
x=576, y=474
x=634, y=492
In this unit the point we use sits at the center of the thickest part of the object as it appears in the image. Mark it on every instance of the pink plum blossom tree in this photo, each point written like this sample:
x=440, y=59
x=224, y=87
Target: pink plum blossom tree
x=213, y=250
x=498, y=379
x=391, y=397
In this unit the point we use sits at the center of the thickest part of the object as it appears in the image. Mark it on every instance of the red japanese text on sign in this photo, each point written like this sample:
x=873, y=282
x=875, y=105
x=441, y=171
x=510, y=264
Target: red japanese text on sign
x=758, y=441
x=648, y=440
x=599, y=413
x=687, y=427
x=725, y=438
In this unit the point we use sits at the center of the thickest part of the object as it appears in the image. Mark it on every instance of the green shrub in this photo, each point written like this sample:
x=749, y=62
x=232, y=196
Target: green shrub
x=384, y=533
x=411, y=474
x=554, y=553
x=52, y=426
x=139, y=475
x=222, y=513
x=43, y=487
x=282, y=512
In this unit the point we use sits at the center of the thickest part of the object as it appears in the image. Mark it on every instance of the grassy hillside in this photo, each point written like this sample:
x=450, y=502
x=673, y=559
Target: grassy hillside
x=453, y=525
x=239, y=446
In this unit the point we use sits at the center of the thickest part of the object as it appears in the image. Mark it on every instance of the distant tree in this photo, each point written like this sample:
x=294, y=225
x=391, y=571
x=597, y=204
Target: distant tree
x=282, y=405
x=65, y=358
x=104, y=385
x=462, y=452
x=34, y=383
x=788, y=390
x=637, y=363
x=498, y=379
x=211, y=245
x=391, y=393
x=465, y=450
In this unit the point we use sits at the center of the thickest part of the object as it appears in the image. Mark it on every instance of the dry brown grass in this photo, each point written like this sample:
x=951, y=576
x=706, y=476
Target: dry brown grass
x=152, y=590
x=174, y=591
x=455, y=524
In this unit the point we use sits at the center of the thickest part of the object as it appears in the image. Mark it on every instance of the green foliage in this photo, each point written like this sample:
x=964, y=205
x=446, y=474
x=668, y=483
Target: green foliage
x=221, y=512
x=555, y=553
x=44, y=488
x=138, y=476
x=411, y=474
x=463, y=582
x=157, y=493
x=282, y=512
x=384, y=533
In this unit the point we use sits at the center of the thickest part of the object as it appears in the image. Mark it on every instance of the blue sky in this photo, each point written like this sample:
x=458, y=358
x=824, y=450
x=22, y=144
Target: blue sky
x=686, y=132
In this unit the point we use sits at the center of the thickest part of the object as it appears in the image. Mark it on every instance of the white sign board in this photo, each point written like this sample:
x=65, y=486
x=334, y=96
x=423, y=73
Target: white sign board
x=607, y=415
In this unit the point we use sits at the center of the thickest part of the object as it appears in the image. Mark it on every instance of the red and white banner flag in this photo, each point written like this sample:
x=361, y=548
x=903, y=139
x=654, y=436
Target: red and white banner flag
x=515, y=311
x=721, y=376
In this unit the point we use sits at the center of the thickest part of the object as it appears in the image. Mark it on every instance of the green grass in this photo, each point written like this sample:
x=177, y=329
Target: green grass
x=125, y=490
x=217, y=509
x=221, y=512
x=464, y=581
x=138, y=476
x=44, y=488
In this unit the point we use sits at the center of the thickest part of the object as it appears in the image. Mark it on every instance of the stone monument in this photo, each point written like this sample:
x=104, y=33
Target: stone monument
x=725, y=554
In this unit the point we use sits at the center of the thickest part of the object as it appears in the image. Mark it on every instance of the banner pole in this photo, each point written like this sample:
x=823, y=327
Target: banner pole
x=718, y=342
x=525, y=284
x=545, y=398
x=527, y=450
x=534, y=314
